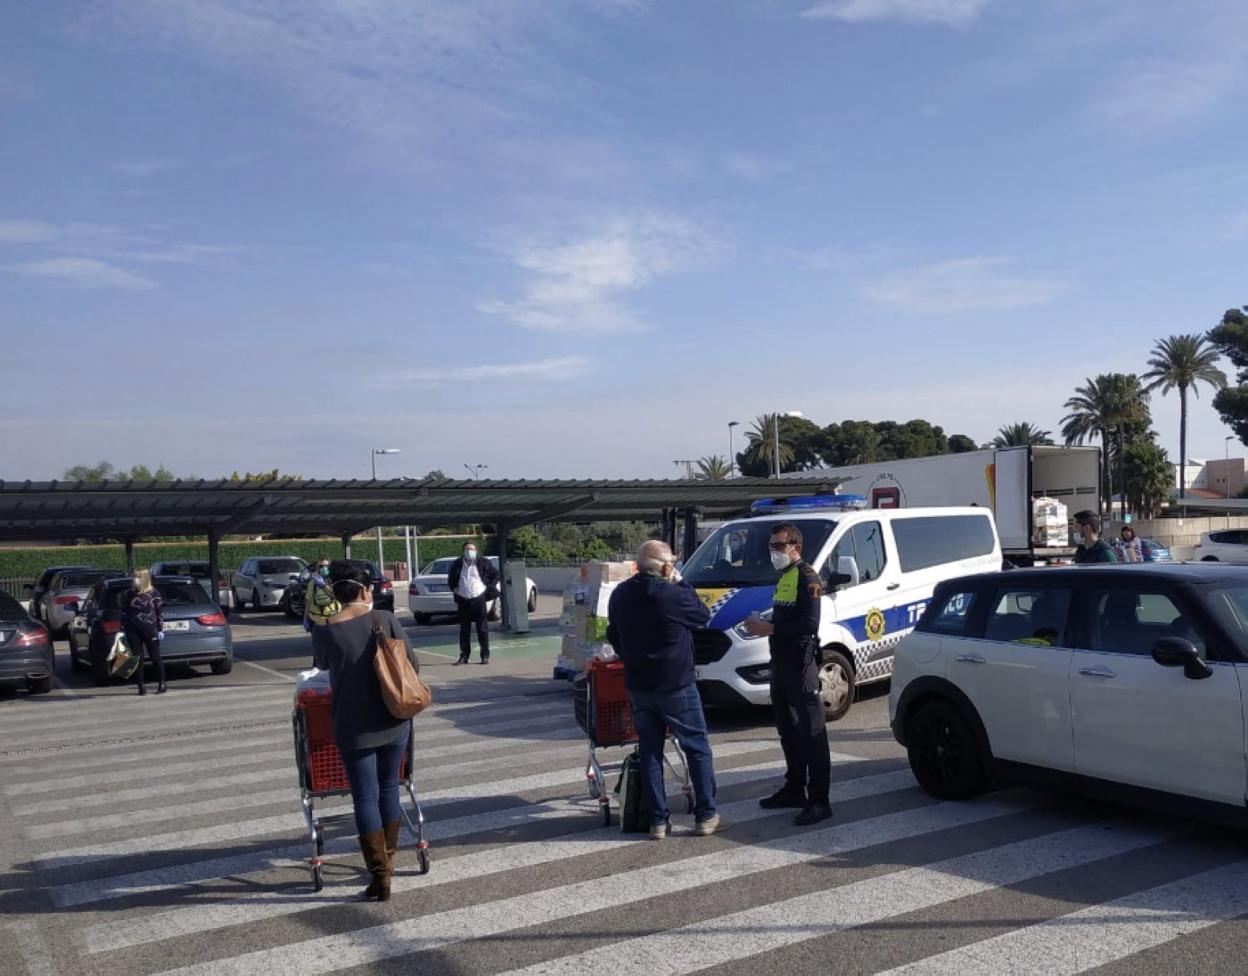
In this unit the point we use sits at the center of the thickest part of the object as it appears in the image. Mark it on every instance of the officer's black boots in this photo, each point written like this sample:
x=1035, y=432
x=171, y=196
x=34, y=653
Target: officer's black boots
x=812, y=814
x=784, y=799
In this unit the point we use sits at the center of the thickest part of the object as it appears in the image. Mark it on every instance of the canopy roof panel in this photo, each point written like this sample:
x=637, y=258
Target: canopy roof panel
x=120, y=509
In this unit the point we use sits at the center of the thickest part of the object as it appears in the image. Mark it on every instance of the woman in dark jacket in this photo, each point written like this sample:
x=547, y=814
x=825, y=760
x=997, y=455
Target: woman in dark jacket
x=144, y=628
x=371, y=740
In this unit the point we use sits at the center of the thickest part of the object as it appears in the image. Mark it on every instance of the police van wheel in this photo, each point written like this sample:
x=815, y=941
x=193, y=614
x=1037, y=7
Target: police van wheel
x=836, y=685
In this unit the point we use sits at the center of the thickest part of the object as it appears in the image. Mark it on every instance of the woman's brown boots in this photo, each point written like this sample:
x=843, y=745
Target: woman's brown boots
x=379, y=848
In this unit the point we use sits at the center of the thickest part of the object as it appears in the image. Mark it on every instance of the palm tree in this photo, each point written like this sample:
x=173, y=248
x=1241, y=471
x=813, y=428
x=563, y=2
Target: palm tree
x=1104, y=406
x=713, y=467
x=1183, y=362
x=1021, y=435
x=761, y=441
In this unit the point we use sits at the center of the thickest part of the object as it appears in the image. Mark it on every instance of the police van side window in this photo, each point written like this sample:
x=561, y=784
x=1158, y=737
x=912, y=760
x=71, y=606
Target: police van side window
x=927, y=541
x=865, y=544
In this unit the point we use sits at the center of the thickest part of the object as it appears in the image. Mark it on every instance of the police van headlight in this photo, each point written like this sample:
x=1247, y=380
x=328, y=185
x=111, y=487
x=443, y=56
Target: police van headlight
x=744, y=634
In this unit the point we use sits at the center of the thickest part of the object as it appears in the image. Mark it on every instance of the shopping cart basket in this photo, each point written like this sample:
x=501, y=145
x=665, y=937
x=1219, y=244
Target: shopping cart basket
x=321, y=775
x=604, y=714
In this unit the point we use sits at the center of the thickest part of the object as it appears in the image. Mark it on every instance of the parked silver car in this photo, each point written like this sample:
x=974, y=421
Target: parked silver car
x=66, y=591
x=262, y=580
x=429, y=595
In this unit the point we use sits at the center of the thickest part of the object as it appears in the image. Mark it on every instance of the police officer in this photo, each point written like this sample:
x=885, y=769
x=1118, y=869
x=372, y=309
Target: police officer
x=794, y=633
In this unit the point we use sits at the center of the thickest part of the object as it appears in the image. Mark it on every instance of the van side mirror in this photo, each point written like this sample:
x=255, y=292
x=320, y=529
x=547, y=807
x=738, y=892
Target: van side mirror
x=1175, y=652
x=846, y=573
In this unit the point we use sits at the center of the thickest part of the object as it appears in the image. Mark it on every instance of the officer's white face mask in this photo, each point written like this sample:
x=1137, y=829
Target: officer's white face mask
x=780, y=560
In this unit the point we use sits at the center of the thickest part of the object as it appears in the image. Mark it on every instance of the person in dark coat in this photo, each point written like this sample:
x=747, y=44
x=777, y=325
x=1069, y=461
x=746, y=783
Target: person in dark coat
x=474, y=584
x=1092, y=548
x=144, y=629
x=651, y=618
x=371, y=740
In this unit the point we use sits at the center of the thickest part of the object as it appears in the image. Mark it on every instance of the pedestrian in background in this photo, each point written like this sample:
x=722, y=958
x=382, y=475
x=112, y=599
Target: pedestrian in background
x=145, y=628
x=650, y=622
x=319, y=603
x=794, y=638
x=1128, y=548
x=474, y=584
x=1091, y=548
x=371, y=740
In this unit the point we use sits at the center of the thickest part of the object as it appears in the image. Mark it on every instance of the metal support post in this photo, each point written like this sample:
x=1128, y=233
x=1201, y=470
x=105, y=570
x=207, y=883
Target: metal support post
x=346, y=547
x=501, y=537
x=129, y=555
x=214, y=566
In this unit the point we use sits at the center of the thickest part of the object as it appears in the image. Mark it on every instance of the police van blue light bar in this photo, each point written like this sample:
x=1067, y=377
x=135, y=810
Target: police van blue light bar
x=809, y=503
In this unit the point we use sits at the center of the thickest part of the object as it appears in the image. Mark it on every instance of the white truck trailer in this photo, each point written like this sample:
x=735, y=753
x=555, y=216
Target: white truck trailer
x=1003, y=479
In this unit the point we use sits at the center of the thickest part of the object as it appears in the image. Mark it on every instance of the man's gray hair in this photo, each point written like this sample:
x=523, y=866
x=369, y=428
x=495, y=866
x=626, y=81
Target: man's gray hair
x=653, y=556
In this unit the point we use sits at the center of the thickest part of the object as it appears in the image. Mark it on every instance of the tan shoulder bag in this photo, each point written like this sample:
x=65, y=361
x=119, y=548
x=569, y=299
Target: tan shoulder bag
x=405, y=694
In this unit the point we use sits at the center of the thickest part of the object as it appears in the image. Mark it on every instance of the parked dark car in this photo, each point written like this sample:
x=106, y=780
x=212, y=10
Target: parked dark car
x=383, y=590
x=198, y=570
x=196, y=631
x=40, y=587
x=26, y=655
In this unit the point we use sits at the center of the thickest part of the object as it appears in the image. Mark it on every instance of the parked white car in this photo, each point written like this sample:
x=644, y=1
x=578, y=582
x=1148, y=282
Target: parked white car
x=429, y=596
x=1107, y=676
x=1224, y=546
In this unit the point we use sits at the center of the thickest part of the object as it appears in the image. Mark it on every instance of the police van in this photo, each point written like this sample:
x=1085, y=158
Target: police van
x=878, y=567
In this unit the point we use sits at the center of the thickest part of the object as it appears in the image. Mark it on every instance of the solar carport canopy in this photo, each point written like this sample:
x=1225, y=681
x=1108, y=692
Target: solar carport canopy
x=134, y=509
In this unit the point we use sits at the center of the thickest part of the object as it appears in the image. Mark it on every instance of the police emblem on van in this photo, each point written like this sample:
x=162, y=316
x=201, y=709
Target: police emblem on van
x=875, y=624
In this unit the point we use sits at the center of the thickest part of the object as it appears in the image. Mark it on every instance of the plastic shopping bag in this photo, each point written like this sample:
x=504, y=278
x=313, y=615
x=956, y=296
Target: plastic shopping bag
x=122, y=661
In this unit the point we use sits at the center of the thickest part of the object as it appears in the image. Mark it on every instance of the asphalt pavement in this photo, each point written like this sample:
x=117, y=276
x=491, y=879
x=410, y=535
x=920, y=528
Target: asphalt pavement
x=164, y=835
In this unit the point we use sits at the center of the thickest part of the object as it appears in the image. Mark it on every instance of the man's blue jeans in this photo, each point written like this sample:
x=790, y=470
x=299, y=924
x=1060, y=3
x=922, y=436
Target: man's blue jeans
x=654, y=712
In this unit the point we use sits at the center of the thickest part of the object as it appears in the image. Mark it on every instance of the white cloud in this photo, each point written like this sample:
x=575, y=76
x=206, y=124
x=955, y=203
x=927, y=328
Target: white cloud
x=81, y=273
x=954, y=13
x=27, y=232
x=1159, y=95
x=546, y=370
x=964, y=285
x=577, y=284
x=138, y=168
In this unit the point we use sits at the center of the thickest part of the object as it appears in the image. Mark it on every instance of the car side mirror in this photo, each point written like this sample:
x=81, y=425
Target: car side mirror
x=846, y=573
x=1175, y=652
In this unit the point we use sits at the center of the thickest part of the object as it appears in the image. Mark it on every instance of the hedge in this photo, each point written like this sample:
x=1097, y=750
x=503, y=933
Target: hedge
x=27, y=564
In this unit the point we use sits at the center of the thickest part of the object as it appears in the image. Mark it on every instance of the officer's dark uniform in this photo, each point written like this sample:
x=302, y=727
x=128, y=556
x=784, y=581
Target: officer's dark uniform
x=795, y=684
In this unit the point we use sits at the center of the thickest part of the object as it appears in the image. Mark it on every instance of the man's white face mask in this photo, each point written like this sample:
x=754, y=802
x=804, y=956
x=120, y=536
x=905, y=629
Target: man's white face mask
x=780, y=560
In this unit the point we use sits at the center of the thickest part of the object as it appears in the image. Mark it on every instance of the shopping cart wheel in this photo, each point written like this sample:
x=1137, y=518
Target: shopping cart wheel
x=422, y=861
x=320, y=839
x=318, y=880
x=606, y=814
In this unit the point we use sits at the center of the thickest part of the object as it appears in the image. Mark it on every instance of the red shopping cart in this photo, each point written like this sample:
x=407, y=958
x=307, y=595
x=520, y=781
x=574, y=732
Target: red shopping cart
x=605, y=715
x=321, y=775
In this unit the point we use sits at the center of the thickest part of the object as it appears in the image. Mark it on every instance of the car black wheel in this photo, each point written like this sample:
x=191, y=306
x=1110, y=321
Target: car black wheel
x=289, y=610
x=40, y=686
x=238, y=603
x=532, y=601
x=424, y=619
x=836, y=685
x=224, y=666
x=945, y=756
x=1209, y=559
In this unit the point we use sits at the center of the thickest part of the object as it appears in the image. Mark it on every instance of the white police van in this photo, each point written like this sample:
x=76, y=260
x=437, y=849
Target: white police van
x=878, y=566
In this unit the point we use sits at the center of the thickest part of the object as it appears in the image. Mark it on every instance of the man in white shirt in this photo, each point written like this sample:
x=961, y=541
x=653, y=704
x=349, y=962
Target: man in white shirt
x=474, y=584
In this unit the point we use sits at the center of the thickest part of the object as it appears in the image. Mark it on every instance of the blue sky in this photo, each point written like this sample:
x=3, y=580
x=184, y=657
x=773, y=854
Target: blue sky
x=577, y=237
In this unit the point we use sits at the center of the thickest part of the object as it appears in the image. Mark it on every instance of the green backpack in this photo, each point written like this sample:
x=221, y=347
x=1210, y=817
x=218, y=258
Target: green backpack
x=634, y=811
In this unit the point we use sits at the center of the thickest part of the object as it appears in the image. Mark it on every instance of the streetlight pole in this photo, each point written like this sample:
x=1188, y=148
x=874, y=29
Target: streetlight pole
x=732, y=463
x=1226, y=471
x=775, y=429
x=381, y=552
x=475, y=469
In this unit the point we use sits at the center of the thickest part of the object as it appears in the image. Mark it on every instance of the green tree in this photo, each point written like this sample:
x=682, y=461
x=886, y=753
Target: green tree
x=1183, y=362
x=93, y=473
x=713, y=467
x=1149, y=477
x=756, y=459
x=1021, y=434
x=1230, y=338
x=852, y=442
x=273, y=475
x=1107, y=408
x=961, y=444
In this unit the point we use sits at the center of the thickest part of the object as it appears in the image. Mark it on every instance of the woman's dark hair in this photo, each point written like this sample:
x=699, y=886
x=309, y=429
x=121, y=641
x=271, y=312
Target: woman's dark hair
x=341, y=577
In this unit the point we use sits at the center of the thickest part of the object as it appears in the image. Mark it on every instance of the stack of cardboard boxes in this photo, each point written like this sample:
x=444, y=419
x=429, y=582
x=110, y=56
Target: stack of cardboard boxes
x=584, y=620
x=1049, y=519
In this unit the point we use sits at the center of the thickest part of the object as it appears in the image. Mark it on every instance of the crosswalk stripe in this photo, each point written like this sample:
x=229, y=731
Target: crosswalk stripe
x=1104, y=933
x=165, y=878
x=241, y=757
x=124, y=707
x=224, y=833
x=748, y=933
x=514, y=857
x=408, y=936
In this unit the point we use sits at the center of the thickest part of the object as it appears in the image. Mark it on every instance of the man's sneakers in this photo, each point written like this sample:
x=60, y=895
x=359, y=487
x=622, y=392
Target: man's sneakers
x=783, y=799
x=660, y=831
x=704, y=828
x=813, y=813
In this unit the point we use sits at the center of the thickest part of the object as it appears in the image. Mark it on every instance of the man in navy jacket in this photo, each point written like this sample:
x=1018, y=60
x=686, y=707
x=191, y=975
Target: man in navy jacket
x=650, y=622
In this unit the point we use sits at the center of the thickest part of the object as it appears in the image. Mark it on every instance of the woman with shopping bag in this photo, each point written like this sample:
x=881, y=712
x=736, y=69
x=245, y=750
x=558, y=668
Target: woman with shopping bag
x=350, y=646
x=145, y=628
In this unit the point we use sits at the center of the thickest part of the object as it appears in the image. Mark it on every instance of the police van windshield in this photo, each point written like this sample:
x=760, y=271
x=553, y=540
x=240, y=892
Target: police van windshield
x=737, y=554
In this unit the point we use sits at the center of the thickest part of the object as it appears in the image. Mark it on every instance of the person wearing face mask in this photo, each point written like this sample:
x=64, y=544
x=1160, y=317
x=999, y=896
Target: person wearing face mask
x=650, y=620
x=144, y=629
x=474, y=584
x=319, y=603
x=1091, y=547
x=794, y=637
x=371, y=740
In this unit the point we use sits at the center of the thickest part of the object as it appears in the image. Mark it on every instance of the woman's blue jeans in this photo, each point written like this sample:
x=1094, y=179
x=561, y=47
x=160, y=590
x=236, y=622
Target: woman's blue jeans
x=374, y=776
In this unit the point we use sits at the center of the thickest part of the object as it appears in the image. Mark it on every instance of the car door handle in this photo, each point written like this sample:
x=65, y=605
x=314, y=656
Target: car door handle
x=1097, y=673
x=970, y=659
x=894, y=586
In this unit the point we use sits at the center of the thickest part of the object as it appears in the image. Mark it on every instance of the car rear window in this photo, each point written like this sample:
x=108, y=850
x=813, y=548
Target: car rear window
x=198, y=570
x=926, y=541
x=182, y=594
x=79, y=580
x=439, y=567
x=268, y=566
